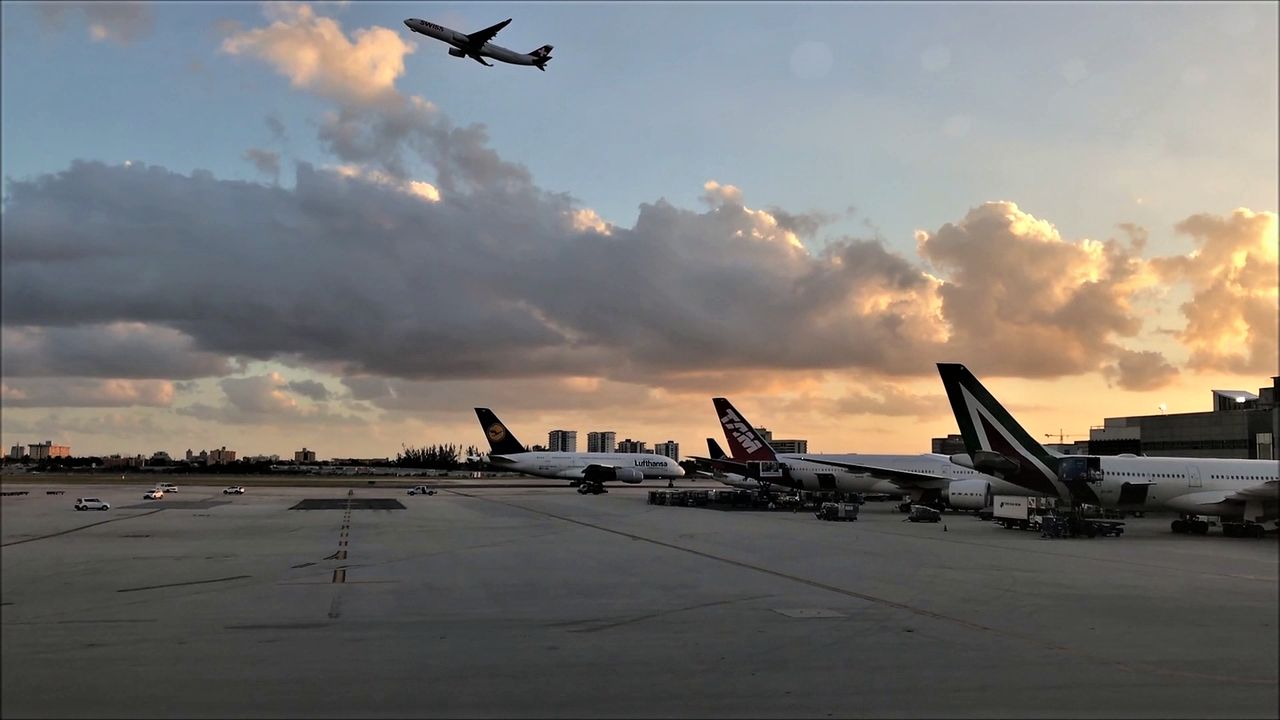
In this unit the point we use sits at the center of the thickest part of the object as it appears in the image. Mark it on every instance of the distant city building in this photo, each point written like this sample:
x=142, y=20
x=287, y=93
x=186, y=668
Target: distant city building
x=115, y=461
x=261, y=458
x=160, y=456
x=202, y=458
x=221, y=456
x=304, y=456
x=46, y=450
x=632, y=446
x=604, y=441
x=949, y=445
x=1240, y=425
x=16, y=452
x=670, y=448
x=798, y=447
x=562, y=440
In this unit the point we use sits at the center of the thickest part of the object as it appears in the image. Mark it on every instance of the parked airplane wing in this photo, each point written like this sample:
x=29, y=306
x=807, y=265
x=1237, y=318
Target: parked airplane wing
x=1268, y=490
x=723, y=464
x=478, y=39
x=901, y=478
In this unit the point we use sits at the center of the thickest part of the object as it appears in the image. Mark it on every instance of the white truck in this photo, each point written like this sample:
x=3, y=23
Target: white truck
x=1020, y=513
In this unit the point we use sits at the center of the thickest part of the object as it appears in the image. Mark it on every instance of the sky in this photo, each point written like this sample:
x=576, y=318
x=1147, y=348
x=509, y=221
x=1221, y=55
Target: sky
x=269, y=226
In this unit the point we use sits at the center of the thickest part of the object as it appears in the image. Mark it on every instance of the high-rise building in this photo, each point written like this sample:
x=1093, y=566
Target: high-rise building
x=670, y=448
x=46, y=450
x=222, y=456
x=632, y=446
x=563, y=440
x=798, y=447
x=16, y=452
x=304, y=456
x=604, y=441
x=949, y=445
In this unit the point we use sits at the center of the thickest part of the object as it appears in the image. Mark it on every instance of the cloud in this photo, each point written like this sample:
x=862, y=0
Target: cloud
x=1020, y=300
x=122, y=23
x=84, y=392
x=310, y=389
x=1145, y=370
x=107, y=350
x=266, y=161
x=276, y=127
x=315, y=54
x=1232, y=314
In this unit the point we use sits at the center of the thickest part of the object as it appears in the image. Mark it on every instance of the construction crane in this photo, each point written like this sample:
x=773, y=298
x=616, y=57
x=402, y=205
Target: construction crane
x=1062, y=436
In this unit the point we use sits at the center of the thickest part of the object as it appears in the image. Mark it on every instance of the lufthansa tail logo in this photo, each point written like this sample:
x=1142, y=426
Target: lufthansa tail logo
x=497, y=432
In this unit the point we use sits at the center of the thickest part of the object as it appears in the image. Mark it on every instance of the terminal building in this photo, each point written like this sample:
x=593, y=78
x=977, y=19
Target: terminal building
x=1240, y=425
x=603, y=441
x=562, y=441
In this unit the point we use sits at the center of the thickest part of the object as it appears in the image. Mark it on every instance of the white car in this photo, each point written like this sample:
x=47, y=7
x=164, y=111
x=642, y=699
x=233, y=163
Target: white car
x=167, y=487
x=421, y=490
x=233, y=490
x=154, y=494
x=91, y=504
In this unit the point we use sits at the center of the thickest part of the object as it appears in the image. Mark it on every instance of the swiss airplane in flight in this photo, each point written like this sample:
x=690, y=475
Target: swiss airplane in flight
x=477, y=46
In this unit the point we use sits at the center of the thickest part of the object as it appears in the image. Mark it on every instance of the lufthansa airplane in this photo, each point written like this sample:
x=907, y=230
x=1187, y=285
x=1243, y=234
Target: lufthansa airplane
x=477, y=46
x=589, y=471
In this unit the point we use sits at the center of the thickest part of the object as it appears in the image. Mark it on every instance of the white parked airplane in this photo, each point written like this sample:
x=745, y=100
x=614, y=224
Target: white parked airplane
x=734, y=474
x=1244, y=493
x=477, y=46
x=588, y=470
x=927, y=479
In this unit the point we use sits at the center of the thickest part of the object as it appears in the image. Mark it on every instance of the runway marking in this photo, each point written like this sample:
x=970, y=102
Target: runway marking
x=340, y=573
x=82, y=527
x=184, y=584
x=1128, y=667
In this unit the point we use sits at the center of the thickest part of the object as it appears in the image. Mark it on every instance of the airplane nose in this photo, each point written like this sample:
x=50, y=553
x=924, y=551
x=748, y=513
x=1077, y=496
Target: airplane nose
x=408, y=24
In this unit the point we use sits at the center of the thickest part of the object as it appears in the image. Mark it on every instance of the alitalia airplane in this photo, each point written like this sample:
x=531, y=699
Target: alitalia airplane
x=928, y=478
x=588, y=470
x=477, y=46
x=1244, y=493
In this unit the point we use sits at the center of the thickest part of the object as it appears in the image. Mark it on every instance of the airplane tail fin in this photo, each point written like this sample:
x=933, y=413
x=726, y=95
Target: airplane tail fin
x=541, y=57
x=996, y=442
x=501, y=441
x=744, y=442
x=714, y=451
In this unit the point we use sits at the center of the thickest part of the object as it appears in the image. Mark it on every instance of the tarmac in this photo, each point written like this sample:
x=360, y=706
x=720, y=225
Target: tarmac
x=540, y=602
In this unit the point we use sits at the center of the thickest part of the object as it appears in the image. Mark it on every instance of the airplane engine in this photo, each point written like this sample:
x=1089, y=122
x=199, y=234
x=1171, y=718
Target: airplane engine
x=628, y=475
x=456, y=52
x=967, y=494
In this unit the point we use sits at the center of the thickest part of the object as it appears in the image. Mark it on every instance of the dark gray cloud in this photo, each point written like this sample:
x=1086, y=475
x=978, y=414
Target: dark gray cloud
x=120, y=22
x=1146, y=370
x=310, y=389
x=276, y=127
x=114, y=350
x=266, y=161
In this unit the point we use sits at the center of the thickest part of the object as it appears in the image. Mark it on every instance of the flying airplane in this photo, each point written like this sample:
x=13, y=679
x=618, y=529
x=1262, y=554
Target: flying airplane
x=588, y=470
x=477, y=46
x=928, y=479
x=1243, y=493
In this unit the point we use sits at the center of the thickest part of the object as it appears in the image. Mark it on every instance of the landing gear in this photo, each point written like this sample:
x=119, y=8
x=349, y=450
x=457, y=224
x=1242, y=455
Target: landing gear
x=588, y=487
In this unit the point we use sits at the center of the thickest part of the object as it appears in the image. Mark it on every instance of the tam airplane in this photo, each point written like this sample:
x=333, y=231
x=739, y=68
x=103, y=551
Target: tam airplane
x=477, y=45
x=927, y=479
x=588, y=470
x=1244, y=493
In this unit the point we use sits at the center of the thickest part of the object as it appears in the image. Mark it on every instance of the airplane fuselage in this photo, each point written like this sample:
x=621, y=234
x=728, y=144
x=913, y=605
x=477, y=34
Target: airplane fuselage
x=461, y=43
x=573, y=466
x=816, y=476
x=1199, y=486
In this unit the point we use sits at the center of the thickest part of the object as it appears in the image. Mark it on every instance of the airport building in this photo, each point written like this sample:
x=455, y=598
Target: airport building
x=632, y=446
x=1240, y=425
x=304, y=456
x=46, y=450
x=604, y=441
x=562, y=441
x=670, y=449
x=798, y=447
